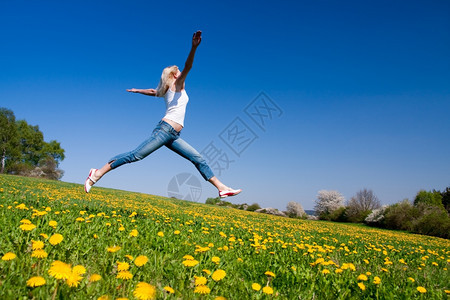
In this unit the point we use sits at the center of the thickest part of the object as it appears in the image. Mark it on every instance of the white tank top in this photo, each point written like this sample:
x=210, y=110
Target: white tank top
x=176, y=103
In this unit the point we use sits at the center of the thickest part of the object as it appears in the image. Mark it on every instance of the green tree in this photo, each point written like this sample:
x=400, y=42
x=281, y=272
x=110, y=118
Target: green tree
x=431, y=198
x=446, y=198
x=8, y=138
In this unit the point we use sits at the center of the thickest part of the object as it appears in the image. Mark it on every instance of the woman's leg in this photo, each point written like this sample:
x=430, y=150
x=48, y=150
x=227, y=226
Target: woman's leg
x=182, y=148
x=158, y=138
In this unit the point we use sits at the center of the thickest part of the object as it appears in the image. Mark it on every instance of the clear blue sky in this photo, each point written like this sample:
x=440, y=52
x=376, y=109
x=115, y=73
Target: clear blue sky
x=363, y=86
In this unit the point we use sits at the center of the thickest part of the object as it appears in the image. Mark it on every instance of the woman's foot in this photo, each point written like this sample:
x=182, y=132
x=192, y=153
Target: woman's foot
x=229, y=192
x=91, y=180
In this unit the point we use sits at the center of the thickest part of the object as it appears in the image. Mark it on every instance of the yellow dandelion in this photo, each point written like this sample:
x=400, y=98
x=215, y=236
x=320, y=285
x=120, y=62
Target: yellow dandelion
x=202, y=289
x=362, y=277
x=256, y=286
x=27, y=227
x=113, y=249
x=95, y=277
x=207, y=271
x=44, y=235
x=362, y=286
x=37, y=245
x=141, y=260
x=134, y=233
x=325, y=271
x=74, y=279
x=122, y=266
x=144, y=291
x=25, y=221
x=215, y=259
x=267, y=290
x=60, y=270
x=36, y=281
x=176, y=232
x=126, y=275
x=200, y=280
x=271, y=274
x=190, y=263
x=169, y=289
x=39, y=253
x=9, y=256
x=121, y=228
x=53, y=224
x=338, y=270
x=218, y=275
x=376, y=280
x=56, y=239
x=103, y=297
x=130, y=257
x=220, y=298
x=79, y=269
x=161, y=234
x=421, y=289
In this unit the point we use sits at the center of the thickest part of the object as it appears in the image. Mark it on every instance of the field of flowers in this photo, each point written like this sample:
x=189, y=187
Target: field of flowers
x=58, y=242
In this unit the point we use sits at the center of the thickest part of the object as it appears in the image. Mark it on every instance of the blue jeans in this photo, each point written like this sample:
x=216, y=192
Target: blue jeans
x=164, y=135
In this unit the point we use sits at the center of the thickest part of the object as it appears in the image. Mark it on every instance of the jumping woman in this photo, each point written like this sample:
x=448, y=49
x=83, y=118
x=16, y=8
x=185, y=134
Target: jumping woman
x=167, y=131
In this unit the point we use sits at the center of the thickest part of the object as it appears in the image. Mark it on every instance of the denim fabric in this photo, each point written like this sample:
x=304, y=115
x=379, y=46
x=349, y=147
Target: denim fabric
x=164, y=135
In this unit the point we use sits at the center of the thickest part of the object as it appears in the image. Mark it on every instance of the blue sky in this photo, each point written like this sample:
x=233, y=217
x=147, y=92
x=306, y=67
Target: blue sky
x=363, y=88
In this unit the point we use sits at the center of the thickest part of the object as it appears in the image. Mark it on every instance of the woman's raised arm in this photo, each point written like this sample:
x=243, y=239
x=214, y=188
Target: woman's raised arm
x=148, y=92
x=196, y=40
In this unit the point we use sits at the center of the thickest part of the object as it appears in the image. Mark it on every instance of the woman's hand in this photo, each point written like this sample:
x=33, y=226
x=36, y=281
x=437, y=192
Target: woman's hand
x=133, y=90
x=196, y=38
x=148, y=92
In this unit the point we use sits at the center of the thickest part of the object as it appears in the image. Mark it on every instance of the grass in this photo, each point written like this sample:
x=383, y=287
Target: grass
x=189, y=247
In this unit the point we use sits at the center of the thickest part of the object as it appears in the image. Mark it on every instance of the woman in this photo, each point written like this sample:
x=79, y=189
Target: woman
x=167, y=132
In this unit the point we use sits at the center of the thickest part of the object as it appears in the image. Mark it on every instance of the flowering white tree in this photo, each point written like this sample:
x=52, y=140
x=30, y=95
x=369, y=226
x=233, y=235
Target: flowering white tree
x=328, y=201
x=294, y=210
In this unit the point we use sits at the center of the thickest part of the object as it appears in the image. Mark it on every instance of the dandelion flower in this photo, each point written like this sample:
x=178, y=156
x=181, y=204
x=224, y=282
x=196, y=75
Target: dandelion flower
x=215, y=259
x=74, y=279
x=144, y=291
x=25, y=221
x=362, y=286
x=411, y=279
x=338, y=270
x=362, y=277
x=421, y=289
x=53, y=224
x=124, y=275
x=37, y=245
x=190, y=263
x=141, y=260
x=267, y=290
x=36, y=281
x=202, y=289
x=44, y=235
x=218, y=275
x=113, y=249
x=130, y=257
x=200, y=280
x=79, y=269
x=325, y=271
x=39, y=253
x=9, y=256
x=134, y=233
x=271, y=274
x=176, y=232
x=207, y=271
x=376, y=280
x=95, y=277
x=60, y=270
x=122, y=266
x=161, y=234
x=27, y=227
x=169, y=289
x=256, y=286
x=56, y=239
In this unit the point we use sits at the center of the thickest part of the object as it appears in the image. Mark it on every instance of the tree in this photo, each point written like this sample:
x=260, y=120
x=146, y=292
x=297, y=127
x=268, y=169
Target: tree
x=446, y=199
x=433, y=198
x=8, y=137
x=327, y=202
x=295, y=210
x=360, y=205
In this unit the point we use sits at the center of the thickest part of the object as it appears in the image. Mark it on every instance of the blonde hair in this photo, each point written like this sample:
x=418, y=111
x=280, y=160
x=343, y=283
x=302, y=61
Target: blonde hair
x=167, y=79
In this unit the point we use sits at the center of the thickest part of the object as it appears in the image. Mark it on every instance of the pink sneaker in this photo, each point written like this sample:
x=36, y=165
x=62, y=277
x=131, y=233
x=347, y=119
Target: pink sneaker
x=224, y=194
x=87, y=186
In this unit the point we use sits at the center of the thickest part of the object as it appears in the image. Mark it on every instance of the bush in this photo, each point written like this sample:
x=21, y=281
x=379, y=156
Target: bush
x=361, y=205
x=295, y=210
x=253, y=207
x=377, y=217
x=431, y=198
x=433, y=220
x=400, y=216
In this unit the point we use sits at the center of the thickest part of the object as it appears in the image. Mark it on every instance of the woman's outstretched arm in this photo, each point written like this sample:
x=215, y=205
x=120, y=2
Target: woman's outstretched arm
x=148, y=92
x=196, y=40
